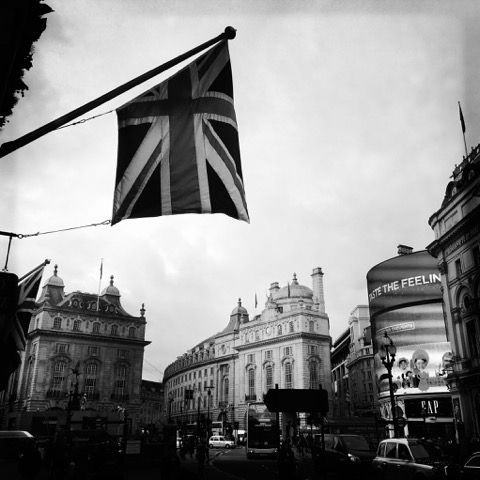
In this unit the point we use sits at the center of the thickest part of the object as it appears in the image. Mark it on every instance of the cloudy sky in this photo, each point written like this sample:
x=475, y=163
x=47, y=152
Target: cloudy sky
x=349, y=131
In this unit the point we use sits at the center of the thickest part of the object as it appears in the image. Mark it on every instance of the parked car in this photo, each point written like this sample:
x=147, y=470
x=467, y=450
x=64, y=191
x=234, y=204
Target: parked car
x=410, y=458
x=356, y=447
x=471, y=468
x=218, y=441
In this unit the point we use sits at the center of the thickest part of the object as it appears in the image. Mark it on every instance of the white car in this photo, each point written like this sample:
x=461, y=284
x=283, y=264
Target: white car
x=218, y=441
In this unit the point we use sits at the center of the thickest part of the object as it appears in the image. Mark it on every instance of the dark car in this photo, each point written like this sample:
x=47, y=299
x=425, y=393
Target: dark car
x=410, y=459
x=471, y=468
x=330, y=460
x=356, y=447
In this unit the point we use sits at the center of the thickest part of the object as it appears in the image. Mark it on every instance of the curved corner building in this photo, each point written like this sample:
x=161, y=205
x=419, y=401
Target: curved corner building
x=287, y=344
x=406, y=303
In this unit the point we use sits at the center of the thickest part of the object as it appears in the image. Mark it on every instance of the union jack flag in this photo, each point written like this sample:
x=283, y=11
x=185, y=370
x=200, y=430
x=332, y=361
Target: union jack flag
x=28, y=287
x=178, y=149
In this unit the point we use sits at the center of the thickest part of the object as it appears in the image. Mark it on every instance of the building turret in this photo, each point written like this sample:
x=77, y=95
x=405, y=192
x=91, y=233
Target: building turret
x=53, y=289
x=112, y=293
x=317, y=287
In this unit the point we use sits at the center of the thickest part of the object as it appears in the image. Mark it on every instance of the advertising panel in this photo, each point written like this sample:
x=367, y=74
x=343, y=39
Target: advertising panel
x=406, y=303
x=403, y=280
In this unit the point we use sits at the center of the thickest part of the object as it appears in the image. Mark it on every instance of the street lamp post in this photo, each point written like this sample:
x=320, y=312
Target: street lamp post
x=209, y=393
x=387, y=356
x=170, y=401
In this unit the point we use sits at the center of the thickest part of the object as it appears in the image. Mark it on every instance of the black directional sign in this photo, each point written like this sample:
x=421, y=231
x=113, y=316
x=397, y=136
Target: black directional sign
x=296, y=400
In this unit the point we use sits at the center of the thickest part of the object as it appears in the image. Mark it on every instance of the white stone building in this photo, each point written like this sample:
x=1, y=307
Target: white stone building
x=288, y=345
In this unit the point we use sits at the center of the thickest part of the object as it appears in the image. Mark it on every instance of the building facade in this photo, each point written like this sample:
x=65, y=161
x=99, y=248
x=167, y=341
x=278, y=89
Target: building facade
x=456, y=247
x=340, y=385
x=80, y=346
x=360, y=364
x=288, y=345
x=151, y=414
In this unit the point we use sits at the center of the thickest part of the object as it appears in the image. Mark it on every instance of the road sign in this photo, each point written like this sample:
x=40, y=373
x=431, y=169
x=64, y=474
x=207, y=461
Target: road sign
x=297, y=400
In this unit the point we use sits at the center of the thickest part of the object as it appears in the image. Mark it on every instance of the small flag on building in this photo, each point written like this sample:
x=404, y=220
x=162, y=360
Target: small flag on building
x=462, y=121
x=178, y=149
x=256, y=302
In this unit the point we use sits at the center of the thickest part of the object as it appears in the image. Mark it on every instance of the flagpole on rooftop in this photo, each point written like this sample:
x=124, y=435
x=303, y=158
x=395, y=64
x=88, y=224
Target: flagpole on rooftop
x=99, y=283
x=9, y=147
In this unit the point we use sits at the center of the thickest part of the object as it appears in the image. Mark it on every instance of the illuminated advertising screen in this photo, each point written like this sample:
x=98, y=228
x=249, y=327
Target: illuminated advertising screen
x=403, y=280
x=406, y=303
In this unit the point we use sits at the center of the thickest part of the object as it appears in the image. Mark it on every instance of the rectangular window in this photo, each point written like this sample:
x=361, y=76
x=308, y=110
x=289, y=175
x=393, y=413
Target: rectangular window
x=311, y=326
x=287, y=351
x=291, y=327
x=251, y=358
x=92, y=350
x=312, y=349
x=90, y=385
x=268, y=354
x=62, y=347
x=121, y=353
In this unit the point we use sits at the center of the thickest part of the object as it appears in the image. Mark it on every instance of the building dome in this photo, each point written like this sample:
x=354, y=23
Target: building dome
x=111, y=289
x=55, y=280
x=294, y=290
x=239, y=310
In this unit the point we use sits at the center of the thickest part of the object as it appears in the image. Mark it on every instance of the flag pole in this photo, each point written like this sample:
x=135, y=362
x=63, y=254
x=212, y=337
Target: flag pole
x=462, y=121
x=99, y=283
x=9, y=147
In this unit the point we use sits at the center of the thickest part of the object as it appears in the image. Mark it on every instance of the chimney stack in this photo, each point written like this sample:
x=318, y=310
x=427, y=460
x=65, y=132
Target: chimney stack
x=404, y=249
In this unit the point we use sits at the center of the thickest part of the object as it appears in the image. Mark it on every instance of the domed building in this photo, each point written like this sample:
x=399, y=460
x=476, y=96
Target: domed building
x=83, y=347
x=287, y=344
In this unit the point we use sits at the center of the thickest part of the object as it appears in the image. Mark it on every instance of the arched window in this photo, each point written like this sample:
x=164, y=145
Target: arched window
x=268, y=377
x=279, y=330
x=131, y=332
x=120, y=381
x=288, y=375
x=225, y=389
x=76, y=325
x=57, y=323
x=313, y=374
x=311, y=326
x=91, y=370
x=58, y=378
x=114, y=330
x=291, y=327
x=251, y=384
x=96, y=327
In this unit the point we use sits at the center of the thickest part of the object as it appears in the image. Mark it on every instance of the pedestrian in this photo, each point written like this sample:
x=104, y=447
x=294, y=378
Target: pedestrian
x=30, y=461
x=201, y=458
x=286, y=462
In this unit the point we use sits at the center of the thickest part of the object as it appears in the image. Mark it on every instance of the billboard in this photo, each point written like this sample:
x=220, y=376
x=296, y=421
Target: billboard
x=406, y=303
x=403, y=280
